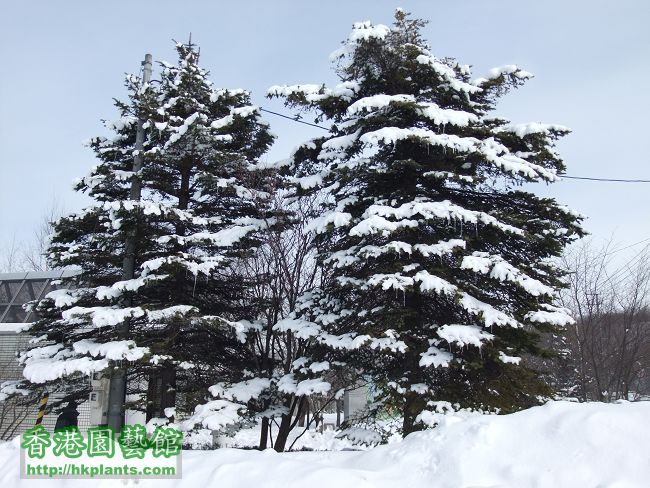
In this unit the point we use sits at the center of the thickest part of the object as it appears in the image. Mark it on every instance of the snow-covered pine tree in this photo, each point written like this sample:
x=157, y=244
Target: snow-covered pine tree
x=202, y=203
x=441, y=259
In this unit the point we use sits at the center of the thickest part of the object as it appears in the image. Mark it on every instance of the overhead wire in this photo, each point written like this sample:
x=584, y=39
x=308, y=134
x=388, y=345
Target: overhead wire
x=585, y=178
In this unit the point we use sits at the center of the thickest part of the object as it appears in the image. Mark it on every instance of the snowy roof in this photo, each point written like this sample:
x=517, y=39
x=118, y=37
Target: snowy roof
x=16, y=289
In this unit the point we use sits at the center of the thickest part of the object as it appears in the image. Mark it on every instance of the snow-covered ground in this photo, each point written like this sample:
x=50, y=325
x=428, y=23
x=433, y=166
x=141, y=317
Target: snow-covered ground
x=558, y=445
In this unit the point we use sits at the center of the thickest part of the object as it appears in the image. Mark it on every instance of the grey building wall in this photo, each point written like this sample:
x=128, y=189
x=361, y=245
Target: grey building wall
x=355, y=401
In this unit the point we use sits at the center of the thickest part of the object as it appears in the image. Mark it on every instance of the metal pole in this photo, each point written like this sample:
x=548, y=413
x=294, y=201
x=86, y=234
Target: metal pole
x=117, y=389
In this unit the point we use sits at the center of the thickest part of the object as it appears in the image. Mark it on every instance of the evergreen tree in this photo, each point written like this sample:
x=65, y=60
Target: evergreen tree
x=203, y=202
x=440, y=258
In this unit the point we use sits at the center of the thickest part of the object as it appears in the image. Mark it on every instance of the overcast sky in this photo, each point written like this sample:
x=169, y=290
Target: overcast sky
x=63, y=62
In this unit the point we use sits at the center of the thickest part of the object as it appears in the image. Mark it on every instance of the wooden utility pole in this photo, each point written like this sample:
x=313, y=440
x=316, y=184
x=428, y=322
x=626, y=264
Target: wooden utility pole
x=117, y=389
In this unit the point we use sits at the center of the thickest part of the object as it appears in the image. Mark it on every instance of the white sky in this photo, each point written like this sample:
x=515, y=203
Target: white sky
x=63, y=62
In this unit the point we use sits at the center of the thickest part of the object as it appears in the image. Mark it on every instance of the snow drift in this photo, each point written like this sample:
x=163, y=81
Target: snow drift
x=560, y=444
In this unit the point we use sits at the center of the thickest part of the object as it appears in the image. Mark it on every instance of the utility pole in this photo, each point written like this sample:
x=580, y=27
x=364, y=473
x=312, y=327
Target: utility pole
x=117, y=389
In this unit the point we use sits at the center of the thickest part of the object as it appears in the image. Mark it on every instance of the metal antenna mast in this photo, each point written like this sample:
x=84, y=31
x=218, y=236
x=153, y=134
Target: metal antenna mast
x=117, y=390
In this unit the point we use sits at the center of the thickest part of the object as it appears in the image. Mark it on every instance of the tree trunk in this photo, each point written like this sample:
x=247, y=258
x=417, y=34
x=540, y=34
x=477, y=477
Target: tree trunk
x=413, y=402
x=283, y=433
x=303, y=414
x=287, y=423
x=153, y=387
x=168, y=390
x=161, y=392
x=413, y=405
x=339, y=405
x=264, y=434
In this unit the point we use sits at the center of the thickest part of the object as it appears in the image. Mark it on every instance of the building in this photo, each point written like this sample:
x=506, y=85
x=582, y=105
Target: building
x=17, y=289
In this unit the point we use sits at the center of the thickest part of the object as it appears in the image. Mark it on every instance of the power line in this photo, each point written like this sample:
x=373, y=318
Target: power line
x=588, y=178
x=604, y=179
x=295, y=119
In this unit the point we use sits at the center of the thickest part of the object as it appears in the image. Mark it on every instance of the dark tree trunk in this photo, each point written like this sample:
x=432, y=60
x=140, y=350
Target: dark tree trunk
x=161, y=392
x=168, y=390
x=339, y=407
x=287, y=423
x=283, y=433
x=303, y=414
x=413, y=405
x=264, y=434
x=153, y=395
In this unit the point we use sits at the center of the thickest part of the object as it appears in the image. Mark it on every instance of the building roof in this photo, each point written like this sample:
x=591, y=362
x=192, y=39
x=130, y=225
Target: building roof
x=17, y=289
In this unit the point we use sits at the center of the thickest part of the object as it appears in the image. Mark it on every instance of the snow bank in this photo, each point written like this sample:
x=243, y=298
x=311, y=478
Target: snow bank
x=558, y=445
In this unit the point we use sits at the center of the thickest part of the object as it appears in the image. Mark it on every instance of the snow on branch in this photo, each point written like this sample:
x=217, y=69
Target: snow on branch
x=435, y=357
x=390, y=135
x=523, y=130
x=301, y=328
x=430, y=110
x=335, y=218
x=195, y=264
x=489, y=315
x=11, y=388
x=315, y=93
x=374, y=102
x=504, y=358
x=493, y=151
x=114, y=350
x=498, y=268
x=552, y=315
x=427, y=209
x=101, y=316
x=163, y=314
x=496, y=73
x=119, y=287
x=447, y=73
x=214, y=415
x=243, y=391
x=312, y=386
x=464, y=334
x=48, y=369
